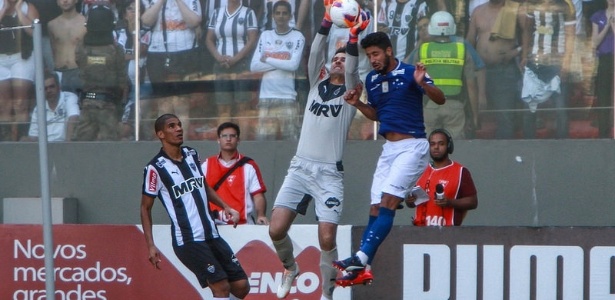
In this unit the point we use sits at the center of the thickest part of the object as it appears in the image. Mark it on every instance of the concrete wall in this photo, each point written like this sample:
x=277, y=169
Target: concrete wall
x=557, y=182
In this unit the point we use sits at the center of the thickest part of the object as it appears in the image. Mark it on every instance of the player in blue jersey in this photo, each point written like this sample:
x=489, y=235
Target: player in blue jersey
x=175, y=176
x=316, y=171
x=395, y=99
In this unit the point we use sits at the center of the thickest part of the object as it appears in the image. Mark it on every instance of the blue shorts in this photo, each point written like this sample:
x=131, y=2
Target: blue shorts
x=211, y=261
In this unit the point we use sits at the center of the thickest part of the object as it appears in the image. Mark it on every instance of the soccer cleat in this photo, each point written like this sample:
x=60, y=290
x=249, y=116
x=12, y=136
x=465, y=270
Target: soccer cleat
x=352, y=263
x=287, y=282
x=363, y=277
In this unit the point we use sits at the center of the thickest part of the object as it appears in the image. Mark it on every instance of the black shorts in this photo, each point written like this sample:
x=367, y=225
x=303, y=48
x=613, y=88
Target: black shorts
x=210, y=261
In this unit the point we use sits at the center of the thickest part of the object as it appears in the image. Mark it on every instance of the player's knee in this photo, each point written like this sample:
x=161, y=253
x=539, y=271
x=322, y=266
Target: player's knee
x=220, y=288
x=240, y=289
x=275, y=233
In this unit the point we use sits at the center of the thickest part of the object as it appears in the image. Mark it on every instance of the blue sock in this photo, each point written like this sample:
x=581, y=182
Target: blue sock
x=378, y=232
x=370, y=223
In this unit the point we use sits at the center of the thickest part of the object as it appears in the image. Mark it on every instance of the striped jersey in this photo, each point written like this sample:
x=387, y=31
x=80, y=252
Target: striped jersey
x=232, y=29
x=400, y=19
x=180, y=186
x=549, y=22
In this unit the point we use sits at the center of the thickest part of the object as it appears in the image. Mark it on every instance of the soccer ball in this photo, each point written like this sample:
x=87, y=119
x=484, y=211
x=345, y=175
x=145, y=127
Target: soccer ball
x=345, y=13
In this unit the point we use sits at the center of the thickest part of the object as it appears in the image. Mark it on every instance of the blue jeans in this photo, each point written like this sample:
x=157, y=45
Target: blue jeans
x=503, y=96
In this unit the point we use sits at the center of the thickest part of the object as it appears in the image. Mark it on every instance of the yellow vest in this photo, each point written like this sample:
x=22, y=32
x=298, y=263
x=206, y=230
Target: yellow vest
x=444, y=62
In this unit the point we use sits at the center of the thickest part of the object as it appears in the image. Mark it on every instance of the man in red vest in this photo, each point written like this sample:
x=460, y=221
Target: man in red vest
x=237, y=179
x=448, y=184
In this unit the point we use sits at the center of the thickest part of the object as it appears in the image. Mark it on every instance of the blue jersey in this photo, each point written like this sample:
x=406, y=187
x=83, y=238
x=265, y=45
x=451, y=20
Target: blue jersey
x=398, y=100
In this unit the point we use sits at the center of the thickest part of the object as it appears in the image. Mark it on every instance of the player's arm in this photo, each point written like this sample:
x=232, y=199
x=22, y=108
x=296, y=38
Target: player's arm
x=214, y=198
x=352, y=97
x=352, y=50
x=260, y=206
x=433, y=92
x=316, y=60
x=147, y=202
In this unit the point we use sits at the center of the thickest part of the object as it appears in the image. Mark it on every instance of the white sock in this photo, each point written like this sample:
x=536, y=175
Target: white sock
x=362, y=257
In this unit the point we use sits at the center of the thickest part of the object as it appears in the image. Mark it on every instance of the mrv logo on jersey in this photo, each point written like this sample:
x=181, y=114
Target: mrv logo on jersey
x=526, y=271
x=187, y=186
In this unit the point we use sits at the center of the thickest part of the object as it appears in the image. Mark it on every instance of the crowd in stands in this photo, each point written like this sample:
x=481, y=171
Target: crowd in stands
x=514, y=69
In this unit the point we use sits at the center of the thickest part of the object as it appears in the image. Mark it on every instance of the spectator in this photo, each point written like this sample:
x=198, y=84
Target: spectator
x=62, y=110
x=16, y=67
x=209, y=7
x=455, y=179
x=298, y=18
x=173, y=52
x=422, y=25
x=398, y=18
x=105, y=79
x=48, y=10
x=66, y=33
x=231, y=37
x=278, y=55
x=452, y=64
x=499, y=46
x=125, y=31
x=548, y=61
x=237, y=179
x=603, y=23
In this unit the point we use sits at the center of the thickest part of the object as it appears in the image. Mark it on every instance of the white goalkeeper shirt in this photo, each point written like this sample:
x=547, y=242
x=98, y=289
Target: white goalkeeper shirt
x=327, y=116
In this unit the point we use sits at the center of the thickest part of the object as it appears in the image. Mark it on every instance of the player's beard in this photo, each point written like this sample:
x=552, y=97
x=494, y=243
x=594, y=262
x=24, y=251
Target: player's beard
x=385, y=64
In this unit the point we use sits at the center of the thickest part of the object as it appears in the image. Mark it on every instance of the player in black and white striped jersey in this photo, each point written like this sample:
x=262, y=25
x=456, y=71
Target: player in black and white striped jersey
x=175, y=176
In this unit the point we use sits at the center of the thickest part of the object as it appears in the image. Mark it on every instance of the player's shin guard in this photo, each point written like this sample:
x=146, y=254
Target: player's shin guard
x=284, y=248
x=328, y=272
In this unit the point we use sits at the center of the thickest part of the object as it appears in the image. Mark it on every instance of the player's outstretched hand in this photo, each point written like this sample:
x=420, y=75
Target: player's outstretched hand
x=419, y=72
x=327, y=4
x=362, y=23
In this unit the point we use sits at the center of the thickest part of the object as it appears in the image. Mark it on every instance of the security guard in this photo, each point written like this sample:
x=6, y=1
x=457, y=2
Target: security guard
x=105, y=79
x=450, y=60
